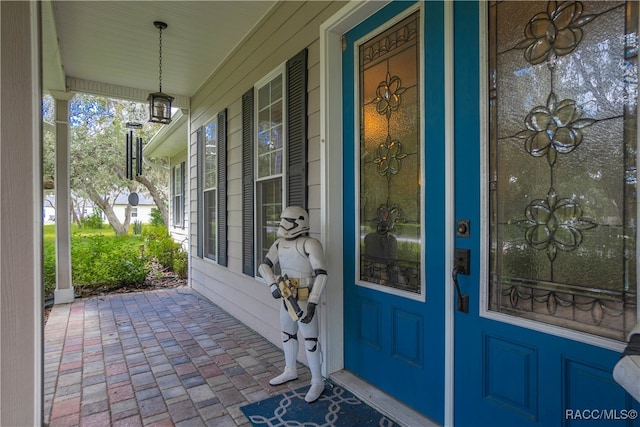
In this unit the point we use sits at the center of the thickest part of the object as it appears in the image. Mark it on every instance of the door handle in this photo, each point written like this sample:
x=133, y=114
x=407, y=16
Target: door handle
x=461, y=267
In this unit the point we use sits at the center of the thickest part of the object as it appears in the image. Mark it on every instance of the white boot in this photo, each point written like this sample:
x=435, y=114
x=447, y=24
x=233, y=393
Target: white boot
x=314, y=392
x=627, y=370
x=290, y=347
x=289, y=374
x=314, y=357
x=627, y=374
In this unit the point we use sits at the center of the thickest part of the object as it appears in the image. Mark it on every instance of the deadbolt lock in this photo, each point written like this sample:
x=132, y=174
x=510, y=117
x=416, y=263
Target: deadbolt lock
x=463, y=228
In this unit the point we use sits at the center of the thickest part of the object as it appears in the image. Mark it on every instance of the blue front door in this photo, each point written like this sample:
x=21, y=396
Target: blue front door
x=553, y=283
x=534, y=134
x=394, y=322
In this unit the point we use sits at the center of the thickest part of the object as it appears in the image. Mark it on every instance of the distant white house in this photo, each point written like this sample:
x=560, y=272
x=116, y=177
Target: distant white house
x=48, y=209
x=141, y=212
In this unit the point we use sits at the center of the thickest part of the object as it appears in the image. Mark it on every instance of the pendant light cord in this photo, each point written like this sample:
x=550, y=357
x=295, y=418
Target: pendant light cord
x=160, y=74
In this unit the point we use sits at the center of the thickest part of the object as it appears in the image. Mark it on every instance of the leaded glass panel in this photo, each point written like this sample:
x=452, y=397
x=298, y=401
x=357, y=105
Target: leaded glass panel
x=562, y=163
x=390, y=160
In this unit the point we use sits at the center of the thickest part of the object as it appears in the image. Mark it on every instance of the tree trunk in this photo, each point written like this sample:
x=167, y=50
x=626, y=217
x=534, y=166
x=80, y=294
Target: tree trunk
x=105, y=206
x=157, y=198
x=74, y=212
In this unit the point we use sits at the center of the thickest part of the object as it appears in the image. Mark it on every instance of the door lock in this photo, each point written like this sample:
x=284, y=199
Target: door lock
x=463, y=228
x=461, y=266
x=461, y=261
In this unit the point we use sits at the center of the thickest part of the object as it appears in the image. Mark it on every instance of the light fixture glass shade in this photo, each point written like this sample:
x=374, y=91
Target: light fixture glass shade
x=160, y=107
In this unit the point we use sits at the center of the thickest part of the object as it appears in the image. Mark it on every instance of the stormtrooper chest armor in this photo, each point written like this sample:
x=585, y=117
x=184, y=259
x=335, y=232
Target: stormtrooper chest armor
x=294, y=262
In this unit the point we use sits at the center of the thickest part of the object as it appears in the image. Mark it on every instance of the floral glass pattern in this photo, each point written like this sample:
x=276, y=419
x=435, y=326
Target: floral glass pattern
x=562, y=163
x=390, y=211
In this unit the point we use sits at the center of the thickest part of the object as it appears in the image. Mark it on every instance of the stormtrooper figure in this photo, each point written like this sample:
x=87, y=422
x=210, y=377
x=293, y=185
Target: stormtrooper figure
x=302, y=266
x=627, y=370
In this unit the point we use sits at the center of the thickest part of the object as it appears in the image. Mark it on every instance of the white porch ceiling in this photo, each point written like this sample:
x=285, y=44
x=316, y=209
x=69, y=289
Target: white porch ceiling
x=115, y=44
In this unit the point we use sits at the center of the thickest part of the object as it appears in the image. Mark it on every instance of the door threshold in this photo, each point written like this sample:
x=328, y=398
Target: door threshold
x=380, y=401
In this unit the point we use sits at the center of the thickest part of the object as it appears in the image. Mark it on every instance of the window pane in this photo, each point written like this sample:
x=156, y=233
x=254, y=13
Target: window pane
x=210, y=225
x=390, y=159
x=264, y=98
x=562, y=163
x=211, y=156
x=276, y=113
x=269, y=200
x=178, y=207
x=177, y=180
x=276, y=89
x=270, y=136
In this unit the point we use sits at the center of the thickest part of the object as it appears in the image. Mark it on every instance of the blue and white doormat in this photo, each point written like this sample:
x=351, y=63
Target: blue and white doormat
x=335, y=408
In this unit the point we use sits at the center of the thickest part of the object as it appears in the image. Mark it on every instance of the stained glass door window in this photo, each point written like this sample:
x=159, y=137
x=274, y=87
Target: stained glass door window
x=390, y=167
x=562, y=163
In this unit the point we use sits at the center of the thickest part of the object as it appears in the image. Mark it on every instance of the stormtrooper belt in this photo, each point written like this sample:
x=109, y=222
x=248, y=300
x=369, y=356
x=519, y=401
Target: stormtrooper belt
x=301, y=286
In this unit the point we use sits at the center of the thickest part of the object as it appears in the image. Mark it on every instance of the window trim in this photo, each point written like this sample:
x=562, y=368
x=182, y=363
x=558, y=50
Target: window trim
x=178, y=222
x=280, y=70
x=210, y=253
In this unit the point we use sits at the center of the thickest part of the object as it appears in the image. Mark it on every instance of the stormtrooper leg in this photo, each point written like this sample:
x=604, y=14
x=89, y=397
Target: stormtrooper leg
x=290, y=347
x=627, y=370
x=314, y=357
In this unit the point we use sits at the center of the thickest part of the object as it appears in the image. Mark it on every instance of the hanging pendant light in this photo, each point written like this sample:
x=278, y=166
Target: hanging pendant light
x=160, y=103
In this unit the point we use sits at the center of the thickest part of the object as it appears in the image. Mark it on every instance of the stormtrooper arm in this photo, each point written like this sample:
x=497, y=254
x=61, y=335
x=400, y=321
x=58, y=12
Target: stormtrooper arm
x=316, y=258
x=266, y=268
x=627, y=371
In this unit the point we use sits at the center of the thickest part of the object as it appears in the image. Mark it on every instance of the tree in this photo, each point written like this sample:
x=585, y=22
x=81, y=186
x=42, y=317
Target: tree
x=97, y=148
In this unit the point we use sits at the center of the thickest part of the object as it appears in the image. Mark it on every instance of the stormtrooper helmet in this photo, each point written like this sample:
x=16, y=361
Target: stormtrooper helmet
x=294, y=221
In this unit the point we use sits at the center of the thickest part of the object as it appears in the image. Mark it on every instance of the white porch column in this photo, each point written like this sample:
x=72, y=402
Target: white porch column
x=64, y=286
x=20, y=216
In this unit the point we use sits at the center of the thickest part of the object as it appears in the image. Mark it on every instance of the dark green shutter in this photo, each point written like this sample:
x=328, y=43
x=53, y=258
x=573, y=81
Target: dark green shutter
x=177, y=199
x=173, y=196
x=222, y=187
x=182, y=191
x=200, y=169
x=248, y=264
x=297, y=130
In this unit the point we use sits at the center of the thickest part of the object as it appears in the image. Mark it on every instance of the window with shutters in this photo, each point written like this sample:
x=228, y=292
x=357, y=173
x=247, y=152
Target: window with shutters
x=211, y=141
x=269, y=152
x=177, y=189
x=209, y=190
x=274, y=155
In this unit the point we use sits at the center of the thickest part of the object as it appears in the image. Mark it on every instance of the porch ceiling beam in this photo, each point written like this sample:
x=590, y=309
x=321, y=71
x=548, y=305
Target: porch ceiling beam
x=53, y=73
x=119, y=92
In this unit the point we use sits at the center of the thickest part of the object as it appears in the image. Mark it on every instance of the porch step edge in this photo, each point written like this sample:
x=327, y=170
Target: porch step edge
x=380, y=401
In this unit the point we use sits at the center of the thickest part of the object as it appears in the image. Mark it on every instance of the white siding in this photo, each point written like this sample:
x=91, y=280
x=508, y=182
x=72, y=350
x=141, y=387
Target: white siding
x=285, y=31
x=143, y=213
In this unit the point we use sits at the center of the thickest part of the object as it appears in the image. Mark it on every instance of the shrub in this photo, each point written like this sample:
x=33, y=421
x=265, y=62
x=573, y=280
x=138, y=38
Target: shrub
x=181, y=263
x=160, y=245
x=137, y=227
x=49, y=271
x=111, y=262
x=92, y=221
x=156, y=217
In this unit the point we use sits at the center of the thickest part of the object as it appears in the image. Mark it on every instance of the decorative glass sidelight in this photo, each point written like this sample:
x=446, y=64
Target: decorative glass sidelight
x=390, y=161
x=563, y=84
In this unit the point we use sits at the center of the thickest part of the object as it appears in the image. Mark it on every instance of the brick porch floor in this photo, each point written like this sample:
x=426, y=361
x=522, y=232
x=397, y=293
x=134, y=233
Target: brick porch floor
x=157, y=358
